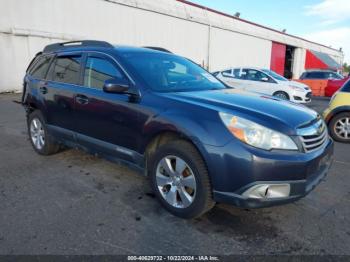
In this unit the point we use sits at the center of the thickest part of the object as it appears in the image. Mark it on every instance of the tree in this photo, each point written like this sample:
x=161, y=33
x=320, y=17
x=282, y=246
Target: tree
x=346, y=67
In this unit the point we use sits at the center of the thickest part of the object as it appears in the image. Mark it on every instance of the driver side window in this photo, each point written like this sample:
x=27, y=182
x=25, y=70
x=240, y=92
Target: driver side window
x=98, y=70
x=255, y=75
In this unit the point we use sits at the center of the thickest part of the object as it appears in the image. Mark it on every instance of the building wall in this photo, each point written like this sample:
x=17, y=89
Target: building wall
x=210, y=39
x=234, y=49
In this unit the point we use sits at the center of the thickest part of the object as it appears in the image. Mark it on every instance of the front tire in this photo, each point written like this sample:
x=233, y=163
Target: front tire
x=339, y=127
x=180, y=179
x=39, y=137
x=282, y=95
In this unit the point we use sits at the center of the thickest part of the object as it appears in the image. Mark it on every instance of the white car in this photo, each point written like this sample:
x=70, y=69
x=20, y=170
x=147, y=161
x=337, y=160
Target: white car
x=267, y=82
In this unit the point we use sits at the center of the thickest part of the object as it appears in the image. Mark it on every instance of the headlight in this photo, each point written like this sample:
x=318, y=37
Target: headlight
x=256, y=135
x=297, y=88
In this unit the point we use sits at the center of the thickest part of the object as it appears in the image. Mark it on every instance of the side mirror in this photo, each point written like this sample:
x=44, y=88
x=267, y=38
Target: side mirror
x=116, y=85
x=264, y=79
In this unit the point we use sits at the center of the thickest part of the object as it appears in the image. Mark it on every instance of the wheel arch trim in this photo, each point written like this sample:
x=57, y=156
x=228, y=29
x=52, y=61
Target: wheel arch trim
x=336, y=111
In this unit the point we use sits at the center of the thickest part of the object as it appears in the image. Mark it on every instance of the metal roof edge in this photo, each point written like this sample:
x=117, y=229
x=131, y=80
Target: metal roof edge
x=252, y=23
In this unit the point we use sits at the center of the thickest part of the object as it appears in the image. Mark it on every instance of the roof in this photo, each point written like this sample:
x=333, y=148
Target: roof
x=248, y=22
x=93, y=45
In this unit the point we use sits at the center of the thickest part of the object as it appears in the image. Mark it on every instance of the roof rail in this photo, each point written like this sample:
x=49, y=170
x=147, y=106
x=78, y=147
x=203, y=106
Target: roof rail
x=158, y=49
x=65, y=45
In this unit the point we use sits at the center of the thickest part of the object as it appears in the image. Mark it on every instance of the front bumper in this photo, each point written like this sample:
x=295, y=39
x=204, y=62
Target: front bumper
x=302, y=171
x=301, y=97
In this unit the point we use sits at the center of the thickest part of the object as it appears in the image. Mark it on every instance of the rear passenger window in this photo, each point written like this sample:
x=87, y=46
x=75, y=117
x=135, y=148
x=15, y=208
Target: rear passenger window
x=236, y=73
x=316, y=75
x=98, y=70
x=67, y=69
x=227, y=72
x=40, y=68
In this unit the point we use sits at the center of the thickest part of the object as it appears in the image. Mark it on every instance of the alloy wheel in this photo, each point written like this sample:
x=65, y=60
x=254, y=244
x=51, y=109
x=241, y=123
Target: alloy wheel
x=176, y=182
x=282, y=96
x=37, y=133
x=342, y=128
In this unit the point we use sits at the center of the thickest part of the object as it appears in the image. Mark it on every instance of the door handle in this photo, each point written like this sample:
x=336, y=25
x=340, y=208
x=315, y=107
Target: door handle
x=43, y=88
x=81, y=99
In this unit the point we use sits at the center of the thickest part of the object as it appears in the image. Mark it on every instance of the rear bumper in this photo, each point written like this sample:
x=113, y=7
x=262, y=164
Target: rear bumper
x=301, y=171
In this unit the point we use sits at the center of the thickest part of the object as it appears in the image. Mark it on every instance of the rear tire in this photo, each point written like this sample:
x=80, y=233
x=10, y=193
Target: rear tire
x=282, y=95
x=339, y=127
x=39, y=137
x=183, y=186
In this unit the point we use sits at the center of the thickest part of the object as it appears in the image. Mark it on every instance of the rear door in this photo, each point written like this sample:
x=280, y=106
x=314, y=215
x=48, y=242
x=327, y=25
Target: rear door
x=107, y=122
x=35, y=80
x=59, y=90
x=232, y=77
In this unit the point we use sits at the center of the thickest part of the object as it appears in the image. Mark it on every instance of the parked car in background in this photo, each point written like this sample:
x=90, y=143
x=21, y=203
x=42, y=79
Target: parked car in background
x=265, y=81
x=337, y=115
x=334, y=85
x=320, y=75
x=198, y=140
x=318, y=80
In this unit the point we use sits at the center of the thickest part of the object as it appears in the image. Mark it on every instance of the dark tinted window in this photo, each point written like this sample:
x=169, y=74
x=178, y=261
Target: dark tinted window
x=66, y=69
x=40, y=67
x=236, y=73
x=227, y=72
x=320, y=75
x=98, y=70
x=253, y=75
x=346, y=87
x=316, y=75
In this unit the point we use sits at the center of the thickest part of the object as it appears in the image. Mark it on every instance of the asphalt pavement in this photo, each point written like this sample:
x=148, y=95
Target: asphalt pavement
x=75, y=203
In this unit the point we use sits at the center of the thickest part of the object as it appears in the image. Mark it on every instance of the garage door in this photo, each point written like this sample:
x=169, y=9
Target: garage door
x=278, y=57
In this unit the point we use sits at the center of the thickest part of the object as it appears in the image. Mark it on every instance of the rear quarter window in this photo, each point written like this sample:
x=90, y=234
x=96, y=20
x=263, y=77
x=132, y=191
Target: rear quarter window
x=40, y=67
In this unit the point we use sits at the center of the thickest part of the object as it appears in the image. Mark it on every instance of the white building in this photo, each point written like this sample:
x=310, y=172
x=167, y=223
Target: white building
x=210, y=38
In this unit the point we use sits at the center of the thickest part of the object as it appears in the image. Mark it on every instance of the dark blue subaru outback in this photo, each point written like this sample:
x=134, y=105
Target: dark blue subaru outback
x=199, y=141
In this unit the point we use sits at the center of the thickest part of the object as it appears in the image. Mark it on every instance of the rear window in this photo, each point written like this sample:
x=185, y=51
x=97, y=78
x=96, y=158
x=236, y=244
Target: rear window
x=67, y=69
x=39, y=69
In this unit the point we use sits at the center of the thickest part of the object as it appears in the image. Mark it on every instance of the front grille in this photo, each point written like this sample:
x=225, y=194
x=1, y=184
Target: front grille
x=314, y=136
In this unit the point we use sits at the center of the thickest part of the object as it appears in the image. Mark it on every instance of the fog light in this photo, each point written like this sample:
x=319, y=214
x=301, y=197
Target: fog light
x=267, y=191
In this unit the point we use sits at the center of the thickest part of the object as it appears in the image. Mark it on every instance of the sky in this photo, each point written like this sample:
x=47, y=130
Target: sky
x=323, y=21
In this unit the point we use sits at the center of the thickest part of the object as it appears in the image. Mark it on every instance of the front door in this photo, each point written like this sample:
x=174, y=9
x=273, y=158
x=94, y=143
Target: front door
x=106, y=121
x=257, y=81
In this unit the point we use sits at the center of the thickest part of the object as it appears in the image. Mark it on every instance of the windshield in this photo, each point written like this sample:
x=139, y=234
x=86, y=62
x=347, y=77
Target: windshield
x=337, y=76
x=274, y=75
x=169, y=73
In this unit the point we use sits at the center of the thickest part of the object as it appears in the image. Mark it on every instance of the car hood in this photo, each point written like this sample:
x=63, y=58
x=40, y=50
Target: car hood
x=269, y=111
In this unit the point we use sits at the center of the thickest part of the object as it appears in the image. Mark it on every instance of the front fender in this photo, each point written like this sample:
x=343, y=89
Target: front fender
x=207, y=130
